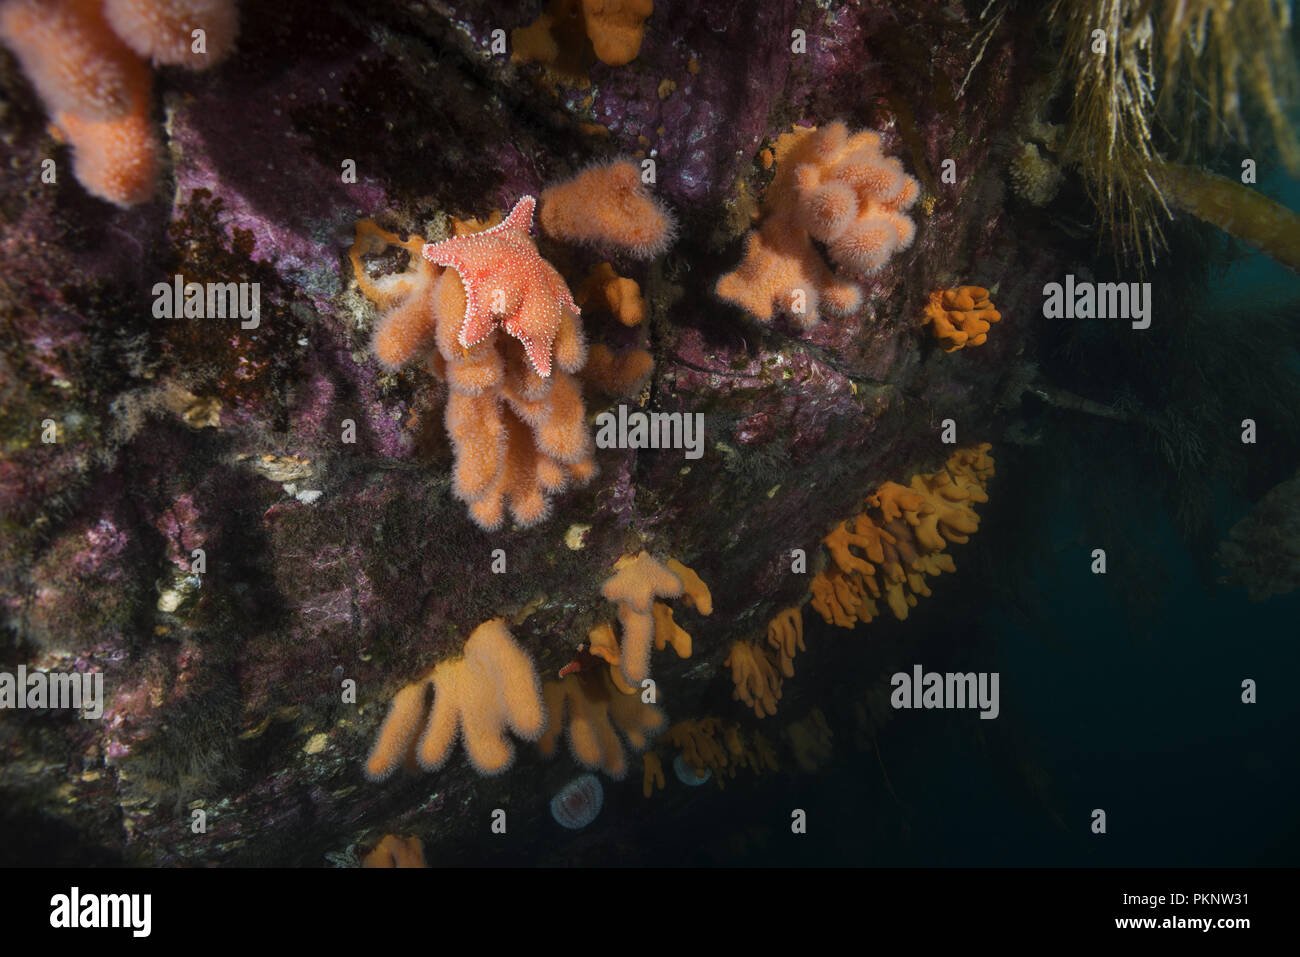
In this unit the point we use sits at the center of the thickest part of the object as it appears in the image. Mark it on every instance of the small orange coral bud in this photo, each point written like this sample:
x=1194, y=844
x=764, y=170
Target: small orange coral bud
x=620, y=373
x=616, y=27
x=606, y=289
x=394, y=851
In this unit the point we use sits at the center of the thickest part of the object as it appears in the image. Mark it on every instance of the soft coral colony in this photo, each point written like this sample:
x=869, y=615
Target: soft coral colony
x=492, y=687
x=500, y=326
x=833, y=187
x=89, y=62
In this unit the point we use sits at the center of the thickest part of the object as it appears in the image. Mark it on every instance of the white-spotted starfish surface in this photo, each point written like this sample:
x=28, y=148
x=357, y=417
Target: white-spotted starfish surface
x=507, y=283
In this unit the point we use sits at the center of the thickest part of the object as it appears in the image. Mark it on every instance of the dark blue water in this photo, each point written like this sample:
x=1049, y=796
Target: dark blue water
x=1120, y=692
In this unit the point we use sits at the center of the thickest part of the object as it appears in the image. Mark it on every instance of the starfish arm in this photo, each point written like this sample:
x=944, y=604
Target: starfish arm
x=520, y=218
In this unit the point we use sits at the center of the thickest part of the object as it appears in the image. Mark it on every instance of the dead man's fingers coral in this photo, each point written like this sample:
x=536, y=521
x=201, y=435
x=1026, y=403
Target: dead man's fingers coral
x=841, y=190
x=164, y=31
x=98, y=92
x=75, y=61
x=500, y=327
x=609, y=207
x=491, y=689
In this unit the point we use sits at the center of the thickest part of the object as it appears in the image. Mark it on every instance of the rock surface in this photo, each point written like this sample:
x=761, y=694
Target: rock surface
x=175, y=435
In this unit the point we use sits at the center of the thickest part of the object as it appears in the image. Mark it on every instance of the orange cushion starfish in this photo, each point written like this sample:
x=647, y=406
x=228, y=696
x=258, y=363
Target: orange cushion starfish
x=507, y=283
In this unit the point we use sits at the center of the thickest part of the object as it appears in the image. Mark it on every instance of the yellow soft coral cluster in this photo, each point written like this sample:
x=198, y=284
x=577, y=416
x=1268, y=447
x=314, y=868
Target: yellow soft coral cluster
x=600, y=718
x=559, y=36
x=886, y=552
x=835, y=188
x=710, y=745
x=785, y=634
x=492, y=687
x=519, y=437
x=960, y=317
x=753, y=673
x=600, y=692
x=638, y=581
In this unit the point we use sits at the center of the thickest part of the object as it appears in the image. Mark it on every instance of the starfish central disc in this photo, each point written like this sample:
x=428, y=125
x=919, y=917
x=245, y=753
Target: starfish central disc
x=507, y=284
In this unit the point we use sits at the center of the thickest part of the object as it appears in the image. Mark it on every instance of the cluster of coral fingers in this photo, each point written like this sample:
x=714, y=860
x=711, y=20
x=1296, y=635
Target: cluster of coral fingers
x=499, y=325
x=709, y=747
x=887, y=551
x=599, y=695
x=514, y=411
x=89, y=62
x=960, y=317
x=835, y=188
x=477, y=697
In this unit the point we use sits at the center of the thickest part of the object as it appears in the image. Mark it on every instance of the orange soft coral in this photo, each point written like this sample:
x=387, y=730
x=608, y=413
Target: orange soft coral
x=116, y=160
x=615, y=28
x=163, y=30
x=83, y=58
x=835, y=188
x=394, y=851
x=607, y=206
x=514, y=412
x=886, y=552
x=695, y=592
x=602, y=643
x=605, y=289
x=960, y=317
x=404, y=300
x=636, y=582
x=701, y=751
x=652, y=778
x=668, y=632
x=597, y=713
x=96, y=89
x=559, y=35
x=617, y=373
x=709, y=746
x=757, y=683
x=785, y=634
x=492, y=687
